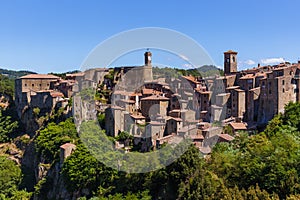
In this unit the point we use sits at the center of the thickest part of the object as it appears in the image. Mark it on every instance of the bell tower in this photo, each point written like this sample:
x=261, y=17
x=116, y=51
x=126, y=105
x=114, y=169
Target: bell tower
x=230, y=62
x=148, y=66
x=148, y=58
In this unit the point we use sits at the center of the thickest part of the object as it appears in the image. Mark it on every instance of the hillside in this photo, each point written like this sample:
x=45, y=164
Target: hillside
x=204, y=71
x=15, y=74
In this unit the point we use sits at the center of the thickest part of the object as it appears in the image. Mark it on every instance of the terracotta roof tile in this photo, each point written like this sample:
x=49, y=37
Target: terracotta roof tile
x=231, y=51
x=226, y=137
x=196, y=137
x=56, y=94
x=155, y=97
x=67, y=145
x=238, y=125
x=137, y=116
x=39, y=76
x=147, y=91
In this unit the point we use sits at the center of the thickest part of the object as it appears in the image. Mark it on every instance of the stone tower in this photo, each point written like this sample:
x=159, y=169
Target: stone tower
x=148, y=66
x=230, y=62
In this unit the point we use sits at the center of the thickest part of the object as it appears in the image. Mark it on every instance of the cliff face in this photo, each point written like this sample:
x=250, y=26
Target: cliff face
x=44, y=179
x=29, y=122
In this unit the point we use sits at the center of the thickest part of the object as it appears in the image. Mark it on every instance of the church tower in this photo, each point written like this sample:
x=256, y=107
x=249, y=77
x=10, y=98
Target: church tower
x=230, y=62
x=148, y=66
x=148, y=58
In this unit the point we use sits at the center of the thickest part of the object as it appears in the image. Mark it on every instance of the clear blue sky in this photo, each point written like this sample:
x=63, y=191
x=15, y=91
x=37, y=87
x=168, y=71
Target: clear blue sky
x=47, y=36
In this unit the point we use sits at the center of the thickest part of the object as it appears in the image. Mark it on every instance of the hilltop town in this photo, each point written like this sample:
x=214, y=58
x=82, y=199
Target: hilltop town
x=207, y=110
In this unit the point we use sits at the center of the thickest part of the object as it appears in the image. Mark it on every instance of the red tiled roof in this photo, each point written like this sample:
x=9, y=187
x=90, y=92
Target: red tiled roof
x=238, y=125
x=191, y=78
x=39, y=76
x=239, y=90
x=177, y=119
x=125, y=93
x=127, y=101
x=226, y=137
x=231, y=51
x=137, y=116
x=56, y=94
x=67, y=145
x=248, y=76
x=155, y=97
x=134, y=94
x=196, y=137
x=147, y=91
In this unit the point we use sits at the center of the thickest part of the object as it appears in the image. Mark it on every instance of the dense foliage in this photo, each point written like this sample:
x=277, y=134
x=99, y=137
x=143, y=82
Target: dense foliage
x=53, y=136
x=7, y=86
x=7, y=127
x=10, y=177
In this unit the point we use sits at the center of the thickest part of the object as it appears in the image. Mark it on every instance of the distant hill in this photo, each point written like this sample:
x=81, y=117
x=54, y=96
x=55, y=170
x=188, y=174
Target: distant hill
x=204, y=71
x=12, y=74
x=206, y=68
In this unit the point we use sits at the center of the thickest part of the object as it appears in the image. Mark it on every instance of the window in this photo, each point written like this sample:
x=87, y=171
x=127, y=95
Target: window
x=40, y=85
x=270, y=91
x=282, y=82
x=32, y=85
x=233, y=59
x=25, y=85
x=283, y=90
x=228, y=60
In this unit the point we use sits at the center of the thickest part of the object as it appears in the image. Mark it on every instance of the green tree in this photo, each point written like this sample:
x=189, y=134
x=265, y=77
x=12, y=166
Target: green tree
x=7, y=127
x=53, y=136
x=81, y=170
x=10, y=176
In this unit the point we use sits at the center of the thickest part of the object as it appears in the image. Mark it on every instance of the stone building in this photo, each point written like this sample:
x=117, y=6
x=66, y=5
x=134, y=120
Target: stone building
x=277, y=90
x=176, y=108
x=27, y=86
x=153, y=105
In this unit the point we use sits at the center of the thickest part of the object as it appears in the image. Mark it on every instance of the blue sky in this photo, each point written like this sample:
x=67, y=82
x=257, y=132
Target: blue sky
x=56, y=36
